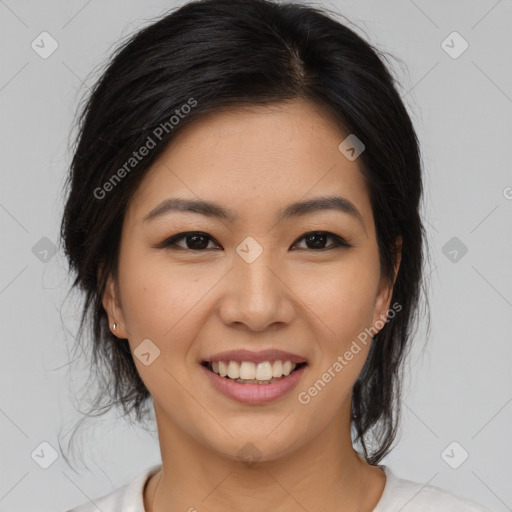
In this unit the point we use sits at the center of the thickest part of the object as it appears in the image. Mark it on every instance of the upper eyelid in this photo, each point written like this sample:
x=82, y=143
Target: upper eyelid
x=180, y=236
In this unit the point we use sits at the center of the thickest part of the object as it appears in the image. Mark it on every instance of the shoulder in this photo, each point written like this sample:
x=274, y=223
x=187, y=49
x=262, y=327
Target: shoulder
x=128, y=498
x=409, y=496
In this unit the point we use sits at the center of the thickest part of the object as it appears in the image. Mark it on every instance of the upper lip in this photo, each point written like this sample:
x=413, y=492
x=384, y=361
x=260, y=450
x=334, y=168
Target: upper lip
x=256, y=357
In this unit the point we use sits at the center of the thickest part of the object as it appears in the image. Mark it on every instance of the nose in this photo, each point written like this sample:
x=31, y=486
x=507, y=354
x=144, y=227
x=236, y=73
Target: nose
x=255, y=295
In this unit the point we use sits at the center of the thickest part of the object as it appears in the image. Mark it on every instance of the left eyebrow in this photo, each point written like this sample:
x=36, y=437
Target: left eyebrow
x=337, y=203
x=211, y=209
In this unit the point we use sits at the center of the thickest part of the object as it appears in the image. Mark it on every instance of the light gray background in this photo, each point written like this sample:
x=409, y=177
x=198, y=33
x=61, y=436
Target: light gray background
x=459, y=387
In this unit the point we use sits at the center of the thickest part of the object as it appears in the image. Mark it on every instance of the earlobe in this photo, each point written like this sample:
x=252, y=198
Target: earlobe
x=382, y=304
x=113, y=309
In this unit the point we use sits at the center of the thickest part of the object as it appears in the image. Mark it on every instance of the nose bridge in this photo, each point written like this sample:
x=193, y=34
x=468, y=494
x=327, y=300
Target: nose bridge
x=257, y=279
x=255, y=295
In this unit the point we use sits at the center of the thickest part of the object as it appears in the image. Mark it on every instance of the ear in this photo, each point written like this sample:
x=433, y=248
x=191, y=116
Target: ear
x=384, y=294
x=112, y=305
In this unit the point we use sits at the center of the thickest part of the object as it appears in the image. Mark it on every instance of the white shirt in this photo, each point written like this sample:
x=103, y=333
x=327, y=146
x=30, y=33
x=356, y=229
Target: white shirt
x=399, y=494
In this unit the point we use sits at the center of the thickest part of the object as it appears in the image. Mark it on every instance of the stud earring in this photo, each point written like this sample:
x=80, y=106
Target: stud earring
x=114, y=326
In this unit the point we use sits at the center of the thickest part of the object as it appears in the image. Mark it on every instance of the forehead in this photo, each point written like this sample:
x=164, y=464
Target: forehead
x=254, y=159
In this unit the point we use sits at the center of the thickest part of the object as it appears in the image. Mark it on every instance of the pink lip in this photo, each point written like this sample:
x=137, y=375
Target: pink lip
x=254, y=393
x=256, y=357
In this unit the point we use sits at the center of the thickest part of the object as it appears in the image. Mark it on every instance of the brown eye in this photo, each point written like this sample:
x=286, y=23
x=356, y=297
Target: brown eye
x=194, y=241
x=197, y=241
x=316, y=240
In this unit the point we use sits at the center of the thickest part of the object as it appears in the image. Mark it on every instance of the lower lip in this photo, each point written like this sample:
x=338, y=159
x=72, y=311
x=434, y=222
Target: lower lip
x=254, y=393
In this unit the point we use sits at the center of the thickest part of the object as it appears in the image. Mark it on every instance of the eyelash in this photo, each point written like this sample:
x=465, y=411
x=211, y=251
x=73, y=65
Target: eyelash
x=170, y=243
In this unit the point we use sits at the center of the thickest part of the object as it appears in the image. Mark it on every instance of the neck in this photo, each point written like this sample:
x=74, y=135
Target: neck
x=324, y=474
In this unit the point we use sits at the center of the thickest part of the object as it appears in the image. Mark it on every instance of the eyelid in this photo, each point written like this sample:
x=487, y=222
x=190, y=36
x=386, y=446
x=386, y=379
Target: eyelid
x=170, y=242
x=339, y=240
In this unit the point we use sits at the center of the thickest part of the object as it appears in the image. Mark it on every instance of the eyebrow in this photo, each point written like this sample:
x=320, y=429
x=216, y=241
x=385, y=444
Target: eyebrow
x=214, y=210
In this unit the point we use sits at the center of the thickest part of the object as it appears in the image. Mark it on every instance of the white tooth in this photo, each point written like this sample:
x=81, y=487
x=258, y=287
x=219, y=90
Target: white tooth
x=223, y=370
x=248, y=370
x=277, y=369
x=233, y=370
x=264, y=371
x=287, y=367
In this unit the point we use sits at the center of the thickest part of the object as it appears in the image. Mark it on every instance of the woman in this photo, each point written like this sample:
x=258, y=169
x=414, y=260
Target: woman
x=243, y=217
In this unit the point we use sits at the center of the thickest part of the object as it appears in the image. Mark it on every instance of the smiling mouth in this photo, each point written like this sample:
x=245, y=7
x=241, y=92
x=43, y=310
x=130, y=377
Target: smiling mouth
x=246, y=372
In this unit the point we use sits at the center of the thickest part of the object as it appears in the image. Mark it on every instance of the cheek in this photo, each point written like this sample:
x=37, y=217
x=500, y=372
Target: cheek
x=344, y=308
x=149, y=299
x=160, y=299
x=342, y=297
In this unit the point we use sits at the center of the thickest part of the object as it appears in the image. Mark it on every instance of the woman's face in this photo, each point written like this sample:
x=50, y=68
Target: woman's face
x=250, y=280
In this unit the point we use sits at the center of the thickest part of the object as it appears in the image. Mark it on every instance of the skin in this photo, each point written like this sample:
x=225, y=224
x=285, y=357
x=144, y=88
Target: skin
x=308, y=301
